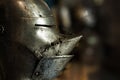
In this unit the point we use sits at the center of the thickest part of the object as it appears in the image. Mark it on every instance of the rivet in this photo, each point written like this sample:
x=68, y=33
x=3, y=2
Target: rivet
x=37, y=73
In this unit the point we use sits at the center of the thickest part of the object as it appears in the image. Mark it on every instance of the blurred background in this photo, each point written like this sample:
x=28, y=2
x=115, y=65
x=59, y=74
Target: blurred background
x=97, y=55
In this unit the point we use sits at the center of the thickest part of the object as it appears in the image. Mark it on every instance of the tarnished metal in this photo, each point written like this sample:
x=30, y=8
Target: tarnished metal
x=49, y=67
x=31, y=48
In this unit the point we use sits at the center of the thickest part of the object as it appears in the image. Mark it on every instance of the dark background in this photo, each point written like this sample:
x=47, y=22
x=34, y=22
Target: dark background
x=97, y=55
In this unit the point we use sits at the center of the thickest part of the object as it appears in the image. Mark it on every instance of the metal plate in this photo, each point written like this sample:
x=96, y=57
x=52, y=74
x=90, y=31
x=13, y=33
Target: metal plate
x=49, y=67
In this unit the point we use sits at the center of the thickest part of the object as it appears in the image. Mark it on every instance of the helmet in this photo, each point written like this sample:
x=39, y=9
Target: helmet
x=31, y=48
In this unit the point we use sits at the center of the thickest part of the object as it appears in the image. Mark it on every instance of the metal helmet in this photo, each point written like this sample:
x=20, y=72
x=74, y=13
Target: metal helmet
x=30, y=46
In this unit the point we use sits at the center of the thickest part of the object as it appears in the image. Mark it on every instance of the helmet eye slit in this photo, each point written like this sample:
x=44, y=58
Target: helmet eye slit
x=44, y=25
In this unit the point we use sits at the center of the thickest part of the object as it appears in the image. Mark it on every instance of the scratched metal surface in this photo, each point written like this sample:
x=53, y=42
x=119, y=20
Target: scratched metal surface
x=31, y=41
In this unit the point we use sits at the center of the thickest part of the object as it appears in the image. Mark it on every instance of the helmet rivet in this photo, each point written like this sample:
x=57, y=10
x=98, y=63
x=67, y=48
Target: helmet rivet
x=37, y=73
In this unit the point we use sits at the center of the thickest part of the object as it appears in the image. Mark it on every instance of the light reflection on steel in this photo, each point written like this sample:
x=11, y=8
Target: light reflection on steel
x=33, y=50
